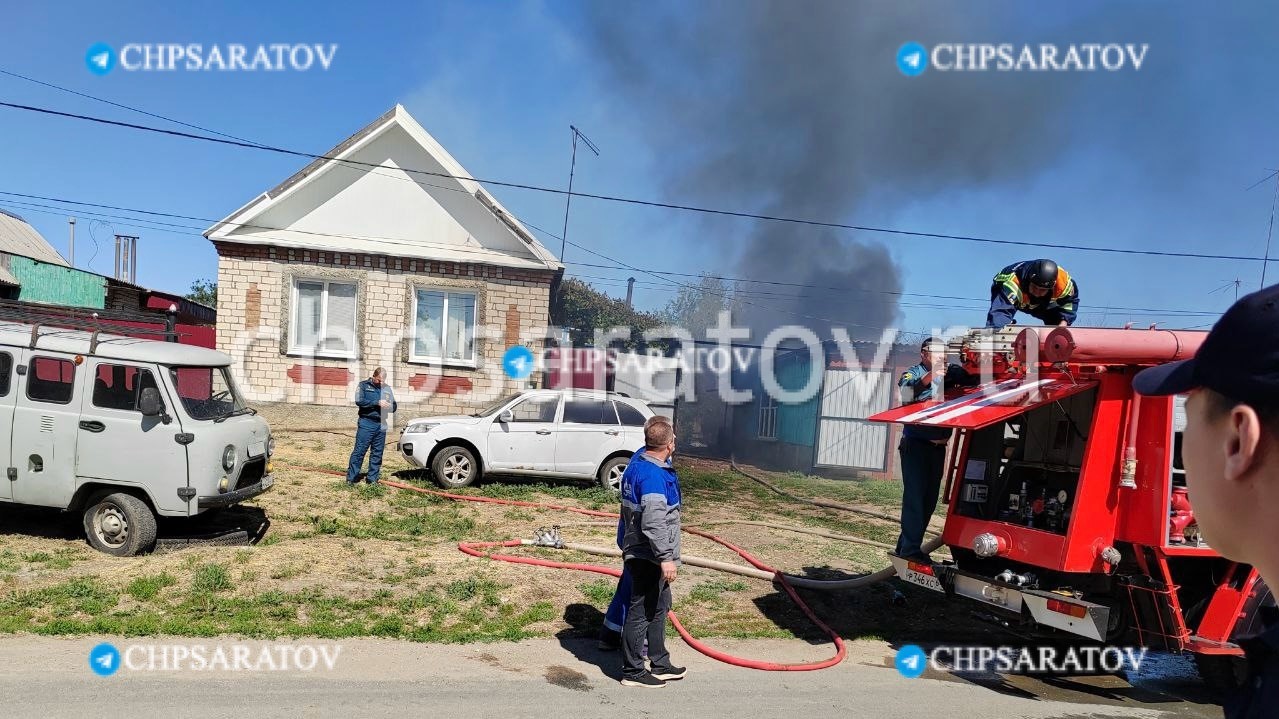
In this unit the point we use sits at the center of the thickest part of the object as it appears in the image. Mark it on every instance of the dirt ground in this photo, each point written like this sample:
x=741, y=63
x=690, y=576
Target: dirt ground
x=329, y=560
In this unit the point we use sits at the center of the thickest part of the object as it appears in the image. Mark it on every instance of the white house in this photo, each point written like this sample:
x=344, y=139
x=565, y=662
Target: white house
x=379, y=254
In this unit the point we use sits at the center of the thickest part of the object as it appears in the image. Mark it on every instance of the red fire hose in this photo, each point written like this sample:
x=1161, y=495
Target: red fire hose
x=473, y=549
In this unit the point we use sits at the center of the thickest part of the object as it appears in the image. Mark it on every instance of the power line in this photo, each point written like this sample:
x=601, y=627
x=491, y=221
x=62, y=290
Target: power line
x=238, y=141
x=395, y=241
x=973, y=303
x=737, y=294
x=634, y=201
x=242, y=225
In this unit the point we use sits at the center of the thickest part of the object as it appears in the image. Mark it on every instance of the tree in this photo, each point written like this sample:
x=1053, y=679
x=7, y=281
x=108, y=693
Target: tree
x=205, y=292
x=582, y=309
x=696, y=307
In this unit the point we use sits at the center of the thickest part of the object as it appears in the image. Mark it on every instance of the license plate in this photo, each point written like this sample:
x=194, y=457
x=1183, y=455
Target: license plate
x=267, y=481
x=257, y=449
x=926, y=581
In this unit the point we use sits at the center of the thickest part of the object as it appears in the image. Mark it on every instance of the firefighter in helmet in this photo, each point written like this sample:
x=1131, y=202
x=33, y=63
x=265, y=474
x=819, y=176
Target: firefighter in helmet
x=1039, y=288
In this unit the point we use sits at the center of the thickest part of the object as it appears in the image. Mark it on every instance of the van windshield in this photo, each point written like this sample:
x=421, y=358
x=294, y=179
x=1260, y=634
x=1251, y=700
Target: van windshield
x=207, y=392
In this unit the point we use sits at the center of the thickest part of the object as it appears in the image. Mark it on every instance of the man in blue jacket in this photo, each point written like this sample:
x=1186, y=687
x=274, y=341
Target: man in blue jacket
x=376, y=402
x=649, y=534
x=610, y=638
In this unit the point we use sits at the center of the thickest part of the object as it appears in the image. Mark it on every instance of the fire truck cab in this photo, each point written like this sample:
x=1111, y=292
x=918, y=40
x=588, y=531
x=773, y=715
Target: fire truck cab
x=1067, y=508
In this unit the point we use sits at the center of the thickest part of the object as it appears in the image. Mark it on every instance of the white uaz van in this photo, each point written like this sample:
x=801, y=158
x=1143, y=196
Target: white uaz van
x=124, y=429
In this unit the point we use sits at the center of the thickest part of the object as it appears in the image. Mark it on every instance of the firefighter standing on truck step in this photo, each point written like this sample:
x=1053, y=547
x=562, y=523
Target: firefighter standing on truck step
x=1039, y=288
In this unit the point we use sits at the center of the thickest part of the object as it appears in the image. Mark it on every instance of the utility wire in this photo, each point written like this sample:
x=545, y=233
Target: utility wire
x=633, y=201
x=736, y=293
x=395, y=241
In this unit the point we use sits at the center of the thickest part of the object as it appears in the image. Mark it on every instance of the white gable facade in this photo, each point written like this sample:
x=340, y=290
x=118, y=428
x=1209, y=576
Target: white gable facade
x=381, y=254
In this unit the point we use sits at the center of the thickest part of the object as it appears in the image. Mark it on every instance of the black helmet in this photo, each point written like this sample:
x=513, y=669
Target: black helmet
x=1041, y=273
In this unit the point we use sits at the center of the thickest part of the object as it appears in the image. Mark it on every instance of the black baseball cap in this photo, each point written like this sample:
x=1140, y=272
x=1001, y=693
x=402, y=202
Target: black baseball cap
x=1238, y=359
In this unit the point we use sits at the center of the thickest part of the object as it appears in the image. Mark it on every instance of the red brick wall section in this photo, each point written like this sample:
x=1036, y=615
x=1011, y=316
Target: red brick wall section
x=512, y=325
x=308, y=374
x=253, y=307
x=335, y=259
x=447, y=384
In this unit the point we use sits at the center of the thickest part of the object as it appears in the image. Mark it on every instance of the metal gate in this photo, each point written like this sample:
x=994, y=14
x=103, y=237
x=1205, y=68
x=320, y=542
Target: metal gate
x=844, y=437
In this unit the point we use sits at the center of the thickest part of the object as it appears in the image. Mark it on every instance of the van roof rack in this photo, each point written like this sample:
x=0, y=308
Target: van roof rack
x=60, y=322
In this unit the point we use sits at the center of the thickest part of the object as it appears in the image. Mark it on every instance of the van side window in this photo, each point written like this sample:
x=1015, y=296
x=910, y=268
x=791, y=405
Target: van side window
x=6, y=372
x=119, y=386
x=51, y=380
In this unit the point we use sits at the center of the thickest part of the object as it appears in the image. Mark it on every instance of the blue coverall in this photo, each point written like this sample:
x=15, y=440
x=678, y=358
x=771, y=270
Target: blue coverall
x=370, y=430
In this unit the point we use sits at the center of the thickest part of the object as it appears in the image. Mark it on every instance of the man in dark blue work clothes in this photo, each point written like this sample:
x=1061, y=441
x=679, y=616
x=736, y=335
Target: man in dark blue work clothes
x=615, y=618
x=649, y=532
x=376, y=403
x=922, y=449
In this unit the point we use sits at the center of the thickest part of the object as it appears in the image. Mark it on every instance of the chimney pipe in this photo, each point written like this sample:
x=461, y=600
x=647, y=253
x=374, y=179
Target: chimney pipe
x=71, y=221
x=133, y=261
x=115, y=270
x=630, y=290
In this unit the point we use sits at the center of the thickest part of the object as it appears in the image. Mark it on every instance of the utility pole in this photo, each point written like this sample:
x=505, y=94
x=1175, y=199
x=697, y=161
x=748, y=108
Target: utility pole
x=1270, y=231
x=630, y=289
x=568, y=200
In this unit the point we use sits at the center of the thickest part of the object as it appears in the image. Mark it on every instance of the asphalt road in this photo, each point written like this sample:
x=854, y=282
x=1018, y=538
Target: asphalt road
x=44, y=677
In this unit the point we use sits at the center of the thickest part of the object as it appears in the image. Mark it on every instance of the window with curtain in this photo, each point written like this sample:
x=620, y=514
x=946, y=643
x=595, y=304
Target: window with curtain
x=324, y=318
x=443, y=326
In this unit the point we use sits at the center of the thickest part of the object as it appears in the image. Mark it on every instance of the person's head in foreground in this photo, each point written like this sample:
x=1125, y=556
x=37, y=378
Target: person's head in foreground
x=1230, y=446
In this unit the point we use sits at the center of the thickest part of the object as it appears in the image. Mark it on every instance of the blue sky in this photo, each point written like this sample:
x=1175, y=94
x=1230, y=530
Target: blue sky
x=1157, y=159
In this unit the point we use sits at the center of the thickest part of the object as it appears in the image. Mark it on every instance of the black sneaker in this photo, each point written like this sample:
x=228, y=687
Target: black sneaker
x=669, y=673
x=647, y=681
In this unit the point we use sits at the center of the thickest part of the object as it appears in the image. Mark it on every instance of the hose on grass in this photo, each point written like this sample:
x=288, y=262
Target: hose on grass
x=817, y=502
x=758, y=570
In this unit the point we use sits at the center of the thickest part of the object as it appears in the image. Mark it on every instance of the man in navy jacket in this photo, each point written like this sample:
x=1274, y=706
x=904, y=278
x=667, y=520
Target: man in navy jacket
x=376, y=402
x=649, y=534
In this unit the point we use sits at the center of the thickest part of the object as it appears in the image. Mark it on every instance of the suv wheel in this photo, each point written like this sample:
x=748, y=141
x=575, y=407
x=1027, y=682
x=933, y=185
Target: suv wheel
x=455, y=467
x=119, y=524
x=610, y=475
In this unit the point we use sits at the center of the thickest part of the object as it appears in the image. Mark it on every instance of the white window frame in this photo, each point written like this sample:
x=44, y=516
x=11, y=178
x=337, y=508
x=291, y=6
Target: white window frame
x=294, y=348
x=439, y=360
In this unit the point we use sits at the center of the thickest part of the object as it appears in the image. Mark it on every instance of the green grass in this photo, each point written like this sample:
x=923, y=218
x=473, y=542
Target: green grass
x=145, y=588
x=712, y=592
x=288, y=571
x=446, y=523
x=467, y=610
x=598, y=591
x=211, y=578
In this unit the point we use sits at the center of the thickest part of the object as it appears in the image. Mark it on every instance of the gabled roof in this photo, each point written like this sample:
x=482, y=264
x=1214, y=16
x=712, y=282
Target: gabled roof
x=415, y=203
x=19, y=238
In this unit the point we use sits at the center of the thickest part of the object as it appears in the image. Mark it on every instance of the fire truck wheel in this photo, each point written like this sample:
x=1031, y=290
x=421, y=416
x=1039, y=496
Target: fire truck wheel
x=1222, y=673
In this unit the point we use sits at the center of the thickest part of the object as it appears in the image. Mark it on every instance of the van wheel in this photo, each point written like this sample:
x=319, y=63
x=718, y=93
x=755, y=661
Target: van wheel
x=455, y=467
x=119, y=524
x=610, y=475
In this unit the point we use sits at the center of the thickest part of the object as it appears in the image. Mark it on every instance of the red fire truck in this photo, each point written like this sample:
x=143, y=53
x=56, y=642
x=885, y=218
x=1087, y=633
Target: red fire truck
x=1067, y=508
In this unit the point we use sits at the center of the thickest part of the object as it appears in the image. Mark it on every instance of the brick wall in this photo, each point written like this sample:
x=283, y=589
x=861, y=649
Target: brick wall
x=254, y=305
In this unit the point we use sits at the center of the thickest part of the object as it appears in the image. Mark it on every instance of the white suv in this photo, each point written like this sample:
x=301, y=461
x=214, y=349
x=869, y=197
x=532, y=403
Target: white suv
x=557, y=433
